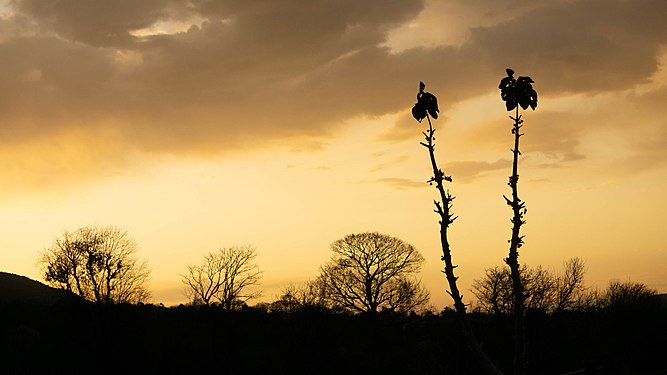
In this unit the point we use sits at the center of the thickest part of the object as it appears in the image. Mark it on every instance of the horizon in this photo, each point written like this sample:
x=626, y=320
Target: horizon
x=287, y=126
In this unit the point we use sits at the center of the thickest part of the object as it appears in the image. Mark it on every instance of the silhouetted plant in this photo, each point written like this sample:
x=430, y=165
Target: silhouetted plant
x=517, y=93
x=224, y=277
x=624, y=294
x=293, y=298
x=544, y=290
x=372, y=271
x=98, y=264
x=427, y=107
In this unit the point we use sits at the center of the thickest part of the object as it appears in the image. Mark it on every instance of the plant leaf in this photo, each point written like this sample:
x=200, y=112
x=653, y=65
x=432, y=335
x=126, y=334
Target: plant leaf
x=418, y=112
x=430, y=103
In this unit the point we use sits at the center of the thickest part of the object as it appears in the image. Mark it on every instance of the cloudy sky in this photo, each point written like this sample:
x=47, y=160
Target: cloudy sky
x=285, y=124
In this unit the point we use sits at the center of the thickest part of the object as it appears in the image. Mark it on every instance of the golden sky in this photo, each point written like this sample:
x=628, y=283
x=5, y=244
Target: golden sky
x=285, y=124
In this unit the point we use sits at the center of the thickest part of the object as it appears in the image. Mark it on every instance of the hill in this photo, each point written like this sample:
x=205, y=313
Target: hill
x=21, y=289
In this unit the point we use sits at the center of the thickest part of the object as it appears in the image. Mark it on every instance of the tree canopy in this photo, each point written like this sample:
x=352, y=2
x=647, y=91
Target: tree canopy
x=372, y=271
x=98, y=264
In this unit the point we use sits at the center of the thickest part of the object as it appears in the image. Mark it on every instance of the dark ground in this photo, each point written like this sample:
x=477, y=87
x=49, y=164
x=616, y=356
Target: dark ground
x=41, y=332
x=77, y=338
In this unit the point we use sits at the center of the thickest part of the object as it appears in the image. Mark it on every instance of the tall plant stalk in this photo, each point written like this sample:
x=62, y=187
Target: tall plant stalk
x=516, y=241
x=427, y=104
x=517, y=93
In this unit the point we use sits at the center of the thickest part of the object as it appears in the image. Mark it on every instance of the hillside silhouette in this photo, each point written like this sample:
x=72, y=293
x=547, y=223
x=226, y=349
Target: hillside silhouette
x=21, y=289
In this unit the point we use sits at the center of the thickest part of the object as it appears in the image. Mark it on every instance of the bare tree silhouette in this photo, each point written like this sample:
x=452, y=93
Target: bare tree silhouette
x=427, y=107
x=624, y=294
x=544, y=290
x=371, y=271
x=293, y=297
x=517, y=92
x=98, y=264
x=224, y=276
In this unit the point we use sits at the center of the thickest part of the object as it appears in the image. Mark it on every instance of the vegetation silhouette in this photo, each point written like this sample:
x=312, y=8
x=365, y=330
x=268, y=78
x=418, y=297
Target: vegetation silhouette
x=517, y=92
x=546, y=291
x=427, y=107
x=38, y=338
x=294, y=298
x=370, y=272
x=97, y=264
x=225, y=276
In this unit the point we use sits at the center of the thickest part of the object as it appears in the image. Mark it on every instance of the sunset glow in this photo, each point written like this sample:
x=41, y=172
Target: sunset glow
x=286, y=125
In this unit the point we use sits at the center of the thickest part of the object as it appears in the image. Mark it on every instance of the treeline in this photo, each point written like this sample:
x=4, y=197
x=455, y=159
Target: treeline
x=368, y=272
x=552, y=292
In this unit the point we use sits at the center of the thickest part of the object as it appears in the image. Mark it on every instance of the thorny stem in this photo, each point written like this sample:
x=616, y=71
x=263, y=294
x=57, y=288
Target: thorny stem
x=519, y=210
x=443, y=208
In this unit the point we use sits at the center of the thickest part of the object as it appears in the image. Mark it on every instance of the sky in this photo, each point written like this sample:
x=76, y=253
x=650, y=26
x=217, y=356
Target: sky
x=286, y=125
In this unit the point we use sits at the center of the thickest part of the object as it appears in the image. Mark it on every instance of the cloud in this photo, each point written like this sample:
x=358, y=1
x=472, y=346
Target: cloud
x=403, y=129
x=99, y=23
x=647, y=141
x=247, y=75
x=400, y=183
x=451, y=22
x=397, y=160
x=467, y=171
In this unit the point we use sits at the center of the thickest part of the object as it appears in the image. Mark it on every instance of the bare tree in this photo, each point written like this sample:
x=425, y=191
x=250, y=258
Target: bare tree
x=616, y=295
x=624, y=294
x=225, y=276
x=370, y=271
x=288, y=302
x=98, y=264
x=544, y=290
x=570, y=287
x=494, y=290
x=297, y=297
x=539, y=288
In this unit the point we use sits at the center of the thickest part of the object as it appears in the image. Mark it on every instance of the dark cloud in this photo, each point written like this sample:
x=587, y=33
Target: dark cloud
x=579, y=46
x=98, y=22
x=249, y=75
x=288, y=73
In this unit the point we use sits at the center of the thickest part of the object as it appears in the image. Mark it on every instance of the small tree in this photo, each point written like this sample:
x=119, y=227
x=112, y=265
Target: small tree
x=544, y=290
x=224, y=276
x=98, y=264
x=371, y=271
x=517, y=93
x=570, y=289
x=625, y=294
x=494, y=291
x=294, y=298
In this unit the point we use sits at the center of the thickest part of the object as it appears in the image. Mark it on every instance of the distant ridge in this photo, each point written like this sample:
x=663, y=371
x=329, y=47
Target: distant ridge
x=21, y=289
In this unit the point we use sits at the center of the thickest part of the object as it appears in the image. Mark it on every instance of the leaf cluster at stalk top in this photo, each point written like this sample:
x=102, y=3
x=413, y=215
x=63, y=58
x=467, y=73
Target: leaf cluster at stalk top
x=517, y=91
x=427, y=103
